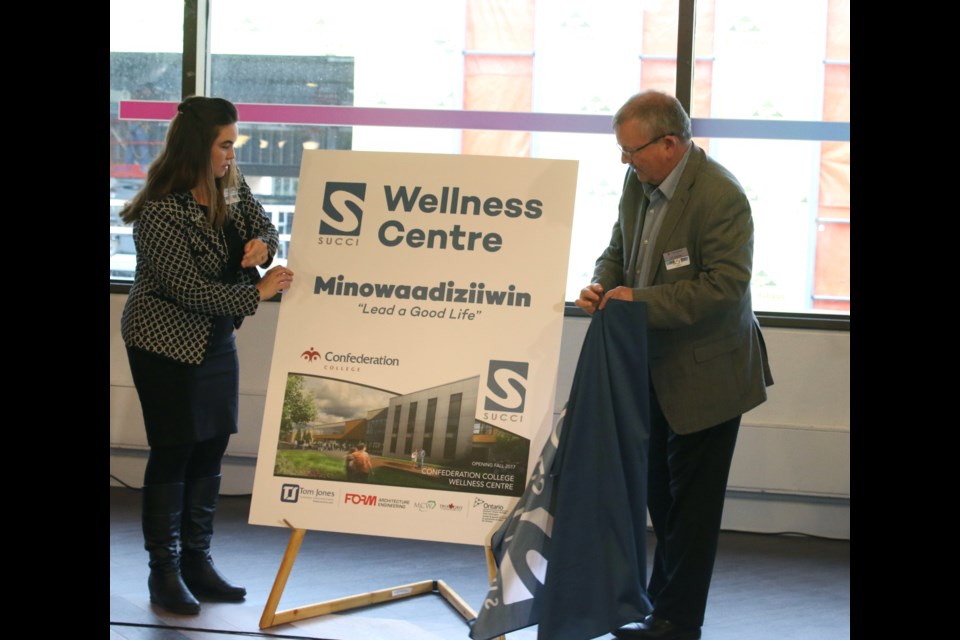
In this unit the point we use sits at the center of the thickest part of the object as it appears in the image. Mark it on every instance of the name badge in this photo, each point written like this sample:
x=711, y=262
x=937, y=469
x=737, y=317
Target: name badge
x=676, y=258
x=231, y=195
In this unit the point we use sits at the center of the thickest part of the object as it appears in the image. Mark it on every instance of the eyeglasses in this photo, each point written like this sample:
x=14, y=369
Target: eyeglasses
x=629, y=152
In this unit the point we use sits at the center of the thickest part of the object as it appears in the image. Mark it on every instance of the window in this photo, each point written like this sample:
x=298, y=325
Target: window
x=411, y=424
x=453, y=426
x=146, y=44
x=429, y=424
x=395, y=432
x=782, y=69
x=769, y=97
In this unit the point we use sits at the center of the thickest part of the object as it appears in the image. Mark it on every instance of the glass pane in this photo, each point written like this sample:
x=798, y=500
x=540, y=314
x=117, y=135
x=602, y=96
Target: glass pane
x=400, y=57
x=782, y=190
x=146, y=39
x=768, y=60
x=591, y=56
x=416, y=59
x=777, y=61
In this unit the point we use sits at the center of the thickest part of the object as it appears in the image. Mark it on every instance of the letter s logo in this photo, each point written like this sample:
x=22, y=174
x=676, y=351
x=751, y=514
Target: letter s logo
x=506, y=386
x=342, y=211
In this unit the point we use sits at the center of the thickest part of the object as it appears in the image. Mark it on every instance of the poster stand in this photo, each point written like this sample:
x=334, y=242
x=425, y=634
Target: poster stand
x=271, y=617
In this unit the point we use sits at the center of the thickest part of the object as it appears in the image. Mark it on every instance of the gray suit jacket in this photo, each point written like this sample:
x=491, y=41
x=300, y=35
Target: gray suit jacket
x=708, y=362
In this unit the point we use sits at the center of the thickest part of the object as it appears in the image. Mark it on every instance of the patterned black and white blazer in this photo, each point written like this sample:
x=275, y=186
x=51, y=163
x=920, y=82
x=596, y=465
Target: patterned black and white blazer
x=177, y=289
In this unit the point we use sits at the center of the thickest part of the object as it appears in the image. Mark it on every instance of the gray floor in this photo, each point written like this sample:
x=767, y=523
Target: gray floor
x=764, y=587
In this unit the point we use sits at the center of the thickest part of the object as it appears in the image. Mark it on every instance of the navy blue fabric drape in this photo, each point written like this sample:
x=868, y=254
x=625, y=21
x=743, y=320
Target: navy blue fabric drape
x=572, y=555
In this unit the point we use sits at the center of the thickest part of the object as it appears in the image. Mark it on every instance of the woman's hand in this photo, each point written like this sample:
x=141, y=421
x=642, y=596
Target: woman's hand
x=274, y=281
x=255, y=253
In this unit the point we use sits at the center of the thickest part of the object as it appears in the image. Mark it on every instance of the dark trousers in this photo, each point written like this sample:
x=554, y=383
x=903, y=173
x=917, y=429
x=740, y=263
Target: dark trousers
x=686, y=483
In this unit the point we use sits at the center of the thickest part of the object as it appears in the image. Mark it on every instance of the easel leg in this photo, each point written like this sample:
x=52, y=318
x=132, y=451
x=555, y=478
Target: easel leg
x=491, y=564
x=492, y=573
x=293, y=547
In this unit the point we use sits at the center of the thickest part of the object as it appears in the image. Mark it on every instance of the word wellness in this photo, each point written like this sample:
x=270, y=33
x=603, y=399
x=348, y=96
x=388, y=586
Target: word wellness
x=477, y=293
x=450, y=202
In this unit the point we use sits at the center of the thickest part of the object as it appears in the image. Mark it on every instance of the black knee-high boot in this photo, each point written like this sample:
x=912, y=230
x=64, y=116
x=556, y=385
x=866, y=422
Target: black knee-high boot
x=161, y=519
x=200, y=505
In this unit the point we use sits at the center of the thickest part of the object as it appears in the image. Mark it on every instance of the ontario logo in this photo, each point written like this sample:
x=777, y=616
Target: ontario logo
x=289, y=493
x=489, y=512
x=342, y=214
x=480, y=502
x=506, y=390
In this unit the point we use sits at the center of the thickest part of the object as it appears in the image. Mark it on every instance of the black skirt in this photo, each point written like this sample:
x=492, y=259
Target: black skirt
x=184, y=403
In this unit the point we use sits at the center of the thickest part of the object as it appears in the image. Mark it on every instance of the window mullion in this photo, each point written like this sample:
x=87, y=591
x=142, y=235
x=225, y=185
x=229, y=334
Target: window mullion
x=196, y=54
x=686, y=23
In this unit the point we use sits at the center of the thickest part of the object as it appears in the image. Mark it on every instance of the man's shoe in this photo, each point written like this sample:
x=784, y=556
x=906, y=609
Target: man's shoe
x=653, y=628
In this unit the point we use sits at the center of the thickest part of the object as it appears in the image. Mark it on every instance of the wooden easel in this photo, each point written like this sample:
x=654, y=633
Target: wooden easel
x=271, y=617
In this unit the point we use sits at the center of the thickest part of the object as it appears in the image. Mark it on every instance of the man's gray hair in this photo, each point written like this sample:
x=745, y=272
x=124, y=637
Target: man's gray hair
x=660, y=112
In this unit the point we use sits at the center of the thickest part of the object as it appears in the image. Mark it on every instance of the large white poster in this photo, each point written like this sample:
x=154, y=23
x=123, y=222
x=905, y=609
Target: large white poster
x=424, y=324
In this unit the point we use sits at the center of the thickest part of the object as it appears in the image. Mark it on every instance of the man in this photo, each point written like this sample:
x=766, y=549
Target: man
x=683, y=244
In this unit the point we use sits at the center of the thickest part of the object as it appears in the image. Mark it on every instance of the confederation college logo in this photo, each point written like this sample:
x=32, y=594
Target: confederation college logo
x=342, y=208
x=506, y=386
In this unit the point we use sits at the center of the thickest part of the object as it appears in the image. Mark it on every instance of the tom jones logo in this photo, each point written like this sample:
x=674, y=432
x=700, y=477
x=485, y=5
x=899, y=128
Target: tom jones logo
x=342, y=211
x=289, y=493
x=506, y=386
x=293, y=493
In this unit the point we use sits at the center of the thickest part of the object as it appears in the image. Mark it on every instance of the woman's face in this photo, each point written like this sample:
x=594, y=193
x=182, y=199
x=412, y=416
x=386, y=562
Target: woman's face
x=221, y=155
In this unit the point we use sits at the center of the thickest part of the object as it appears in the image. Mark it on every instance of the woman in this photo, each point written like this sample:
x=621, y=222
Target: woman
x=199, y=234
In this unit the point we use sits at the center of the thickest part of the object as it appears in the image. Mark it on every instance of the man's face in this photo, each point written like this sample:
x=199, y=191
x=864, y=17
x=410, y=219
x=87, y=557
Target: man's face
x=651, y=158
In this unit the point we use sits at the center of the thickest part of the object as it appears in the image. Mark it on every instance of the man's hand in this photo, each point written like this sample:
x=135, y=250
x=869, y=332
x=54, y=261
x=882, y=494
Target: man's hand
x=590, y=298
x=620, y=293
